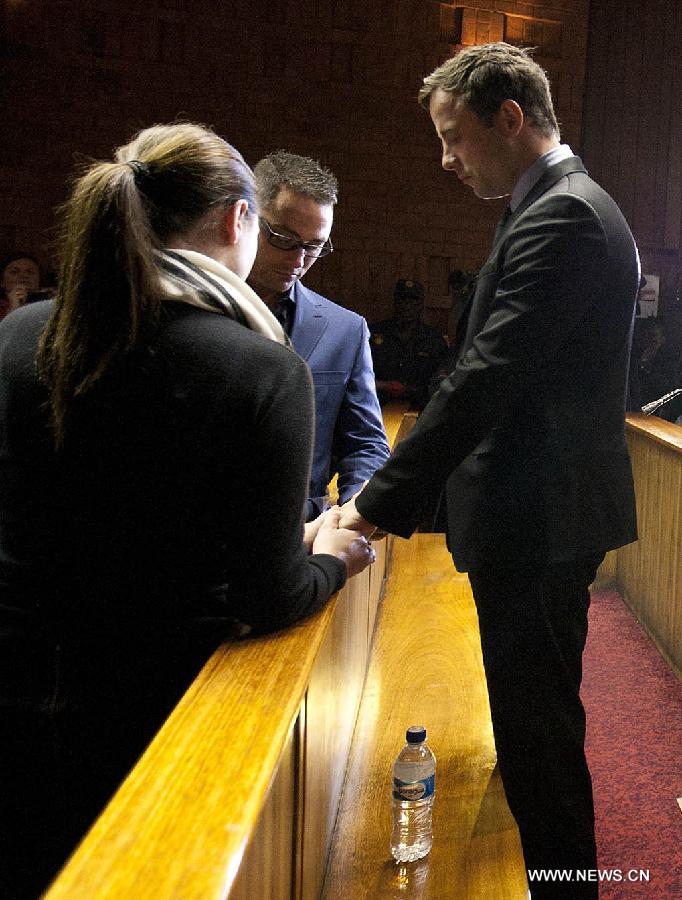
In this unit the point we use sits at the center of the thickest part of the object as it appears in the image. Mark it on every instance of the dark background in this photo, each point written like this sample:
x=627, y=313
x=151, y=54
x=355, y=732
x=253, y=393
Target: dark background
x=337, y=80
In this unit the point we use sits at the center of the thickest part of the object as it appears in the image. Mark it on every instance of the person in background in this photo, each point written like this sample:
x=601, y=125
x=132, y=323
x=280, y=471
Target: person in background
x=157, y=436
x=406, y=351
x=297, y=197
x=656, y=368
x=657, y=361
x=19, y=282
x=527, y=435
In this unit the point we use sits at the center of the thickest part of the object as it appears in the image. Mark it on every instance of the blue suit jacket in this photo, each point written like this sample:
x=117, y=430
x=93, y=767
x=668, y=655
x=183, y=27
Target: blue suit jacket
x=349, y=432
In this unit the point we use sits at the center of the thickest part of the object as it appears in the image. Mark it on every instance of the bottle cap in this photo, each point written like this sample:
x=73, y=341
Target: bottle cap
x=415, y=734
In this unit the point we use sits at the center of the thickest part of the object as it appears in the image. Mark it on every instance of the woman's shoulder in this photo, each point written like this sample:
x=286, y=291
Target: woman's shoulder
x=29, y=314
x=223, y=342
x=22, y=327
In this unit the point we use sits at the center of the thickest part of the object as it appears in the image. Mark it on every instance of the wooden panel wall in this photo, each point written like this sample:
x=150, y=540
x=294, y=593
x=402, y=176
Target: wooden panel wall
x=268, y=867
x=287, y=855
x=333, y=79
x=331, y=706
x=632, y=124
x=649, y=572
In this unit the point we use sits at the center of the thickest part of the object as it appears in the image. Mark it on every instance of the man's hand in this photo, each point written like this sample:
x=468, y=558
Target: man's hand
x=351, y=518
x=351, y=547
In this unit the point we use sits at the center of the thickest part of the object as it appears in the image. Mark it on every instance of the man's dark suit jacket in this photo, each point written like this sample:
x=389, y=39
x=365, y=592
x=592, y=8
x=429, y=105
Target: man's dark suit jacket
x=349, y=432
x=528, y=430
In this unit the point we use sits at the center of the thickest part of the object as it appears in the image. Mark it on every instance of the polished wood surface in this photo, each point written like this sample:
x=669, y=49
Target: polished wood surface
x=426, y=668
x=406, y=425
x=648, y=573
x=665, y=433
x=332, y=702
x=393, y=414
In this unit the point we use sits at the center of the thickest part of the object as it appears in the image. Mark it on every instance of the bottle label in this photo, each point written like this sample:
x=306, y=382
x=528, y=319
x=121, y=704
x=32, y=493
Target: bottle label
x=414, y=790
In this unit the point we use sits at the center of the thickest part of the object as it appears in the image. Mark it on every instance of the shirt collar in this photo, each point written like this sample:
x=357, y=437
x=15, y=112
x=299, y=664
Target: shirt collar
x=288, y=295
x=534, y=173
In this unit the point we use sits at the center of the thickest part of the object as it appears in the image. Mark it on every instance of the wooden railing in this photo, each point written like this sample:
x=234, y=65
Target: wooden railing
x=237, y=795
x=648, y=573
x=254, y=754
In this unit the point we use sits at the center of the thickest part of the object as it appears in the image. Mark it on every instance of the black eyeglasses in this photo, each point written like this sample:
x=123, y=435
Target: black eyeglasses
x=313, y=249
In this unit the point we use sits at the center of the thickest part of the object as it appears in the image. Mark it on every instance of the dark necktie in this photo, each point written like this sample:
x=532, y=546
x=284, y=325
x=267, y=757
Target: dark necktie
x=283, y=313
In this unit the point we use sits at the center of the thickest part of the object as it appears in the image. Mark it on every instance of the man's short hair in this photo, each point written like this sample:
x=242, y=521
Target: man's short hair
x=298, y=173
x=487, y=75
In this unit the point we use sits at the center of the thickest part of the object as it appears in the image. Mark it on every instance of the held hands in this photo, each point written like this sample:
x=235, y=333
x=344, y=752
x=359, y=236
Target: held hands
x=346, y=544
x=351, y=518
x=312, y=528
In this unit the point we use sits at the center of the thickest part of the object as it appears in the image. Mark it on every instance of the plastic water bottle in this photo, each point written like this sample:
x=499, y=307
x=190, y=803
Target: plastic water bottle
x=414, y=782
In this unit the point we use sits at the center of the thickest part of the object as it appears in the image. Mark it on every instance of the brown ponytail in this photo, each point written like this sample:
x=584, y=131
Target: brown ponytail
x=119, y=214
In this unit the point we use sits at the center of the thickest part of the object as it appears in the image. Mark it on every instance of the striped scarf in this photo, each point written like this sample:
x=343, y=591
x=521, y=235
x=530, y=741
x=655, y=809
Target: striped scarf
x=191, y=277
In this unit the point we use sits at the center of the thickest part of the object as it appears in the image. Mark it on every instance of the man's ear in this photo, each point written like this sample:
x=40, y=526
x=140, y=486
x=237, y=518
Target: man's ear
x=232, y=221
x=510, y=117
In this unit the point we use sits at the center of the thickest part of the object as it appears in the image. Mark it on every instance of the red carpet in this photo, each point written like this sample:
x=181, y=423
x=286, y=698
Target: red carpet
x=634, y=748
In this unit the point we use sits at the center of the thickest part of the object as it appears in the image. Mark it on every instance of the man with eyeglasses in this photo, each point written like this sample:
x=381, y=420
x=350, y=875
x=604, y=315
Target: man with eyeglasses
x=297, y=197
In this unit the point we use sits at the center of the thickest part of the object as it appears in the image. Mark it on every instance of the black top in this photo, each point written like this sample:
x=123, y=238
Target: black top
x=174, y=510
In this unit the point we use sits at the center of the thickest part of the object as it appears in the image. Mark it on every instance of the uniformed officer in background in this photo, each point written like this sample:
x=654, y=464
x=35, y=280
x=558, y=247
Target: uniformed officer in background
x=406, y=351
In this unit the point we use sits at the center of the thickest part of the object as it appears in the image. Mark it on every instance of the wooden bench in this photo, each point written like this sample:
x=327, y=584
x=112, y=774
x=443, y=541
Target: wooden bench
x=426, y=668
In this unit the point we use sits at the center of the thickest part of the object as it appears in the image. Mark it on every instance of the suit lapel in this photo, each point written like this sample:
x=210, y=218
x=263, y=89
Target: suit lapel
x=310, y=321
x=480, y=305
x=502, y=225
x=555, y=173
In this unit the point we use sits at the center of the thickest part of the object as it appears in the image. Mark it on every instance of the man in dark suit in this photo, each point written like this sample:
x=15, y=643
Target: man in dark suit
x=297, y=197
x=527, y=434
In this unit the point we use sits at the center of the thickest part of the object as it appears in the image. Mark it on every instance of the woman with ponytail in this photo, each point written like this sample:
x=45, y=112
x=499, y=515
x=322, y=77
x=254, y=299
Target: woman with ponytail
x=154, y=453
